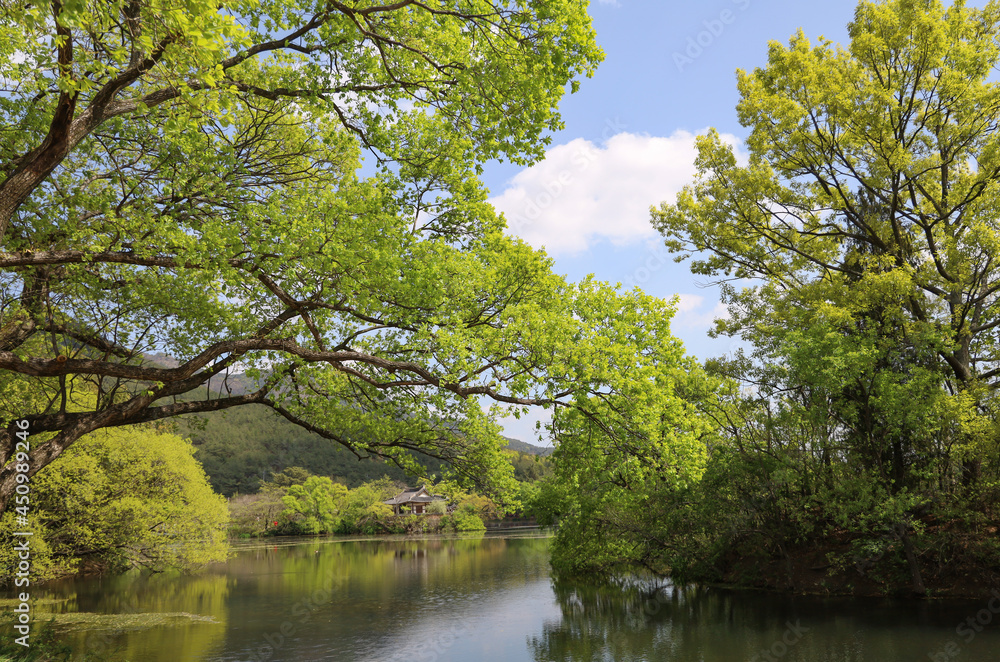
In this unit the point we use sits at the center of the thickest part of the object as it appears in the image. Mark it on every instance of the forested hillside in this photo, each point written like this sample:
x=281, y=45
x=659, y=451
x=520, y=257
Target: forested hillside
x=240, y=447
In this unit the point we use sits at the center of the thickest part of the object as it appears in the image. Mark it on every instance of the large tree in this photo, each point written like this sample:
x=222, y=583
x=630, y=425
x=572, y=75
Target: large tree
x=858, y=243
x=186, y=177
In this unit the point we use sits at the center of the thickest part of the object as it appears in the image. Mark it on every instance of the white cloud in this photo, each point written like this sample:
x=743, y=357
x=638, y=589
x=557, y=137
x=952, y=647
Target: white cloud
x=689, y=302
x=581, y=194
x=691, y=312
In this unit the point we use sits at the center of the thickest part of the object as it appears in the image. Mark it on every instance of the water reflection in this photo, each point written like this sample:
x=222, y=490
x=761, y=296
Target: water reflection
x=487, y=598
x=647, y=620
x=315, y=599
x=366, y=600
x=135, y=616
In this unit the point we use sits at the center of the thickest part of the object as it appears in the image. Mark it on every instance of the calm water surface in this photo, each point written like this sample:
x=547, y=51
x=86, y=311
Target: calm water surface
x=486, y=598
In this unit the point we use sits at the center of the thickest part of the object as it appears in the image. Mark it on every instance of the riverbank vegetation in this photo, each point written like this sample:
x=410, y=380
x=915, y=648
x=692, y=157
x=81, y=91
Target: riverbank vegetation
x=244, y=447
x=854, y=447
x=295, y=502
x=138, y=498
x=120, y=499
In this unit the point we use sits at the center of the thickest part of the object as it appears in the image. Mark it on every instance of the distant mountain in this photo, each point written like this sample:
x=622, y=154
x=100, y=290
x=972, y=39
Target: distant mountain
x=240, y=447
x=243, y=445
x=162, y=360
x=224, y=384
x=530, y=449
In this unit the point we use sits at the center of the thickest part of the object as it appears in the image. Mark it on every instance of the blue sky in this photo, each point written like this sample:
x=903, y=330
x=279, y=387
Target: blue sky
x=669, y=74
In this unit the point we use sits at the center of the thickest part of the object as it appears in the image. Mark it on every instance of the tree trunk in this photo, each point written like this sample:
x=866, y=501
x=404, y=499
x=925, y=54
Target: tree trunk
x=971, y=470
x=911, y=560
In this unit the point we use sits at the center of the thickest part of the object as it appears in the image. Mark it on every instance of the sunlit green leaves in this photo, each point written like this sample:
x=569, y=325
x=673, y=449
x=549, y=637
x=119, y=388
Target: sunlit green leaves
x=210, y=201
x=856, y=250
x=126, y=498
x=870, y=179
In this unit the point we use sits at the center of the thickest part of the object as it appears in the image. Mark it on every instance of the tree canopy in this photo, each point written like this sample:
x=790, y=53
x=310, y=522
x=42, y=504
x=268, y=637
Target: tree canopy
x=621, y=459
x=319, y=501
x=856, y=247
x=863, y=223
x=73, y=71
x=290, y=191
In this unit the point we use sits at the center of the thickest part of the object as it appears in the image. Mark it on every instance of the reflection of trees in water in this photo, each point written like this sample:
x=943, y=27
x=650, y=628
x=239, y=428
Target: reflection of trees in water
x=645, y=620
x=141, y=599
x=368, y=591
x=631, y=620
x=353, y=585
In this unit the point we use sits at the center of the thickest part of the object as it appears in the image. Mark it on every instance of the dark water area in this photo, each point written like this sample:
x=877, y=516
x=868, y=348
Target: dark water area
x=487, y=597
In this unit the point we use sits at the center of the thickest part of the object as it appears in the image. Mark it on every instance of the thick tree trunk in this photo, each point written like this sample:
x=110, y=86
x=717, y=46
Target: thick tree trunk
x=911, y=559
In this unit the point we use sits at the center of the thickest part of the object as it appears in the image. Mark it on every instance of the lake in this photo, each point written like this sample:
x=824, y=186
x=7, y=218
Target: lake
x=483, y=598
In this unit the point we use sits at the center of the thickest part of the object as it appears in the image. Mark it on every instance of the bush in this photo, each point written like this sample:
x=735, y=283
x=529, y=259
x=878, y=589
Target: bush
x=314, y=506
x=121, y=498
x=364, y=511
x=464, y=518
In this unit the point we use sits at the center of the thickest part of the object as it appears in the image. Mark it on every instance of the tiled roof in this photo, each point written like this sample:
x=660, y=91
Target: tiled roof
x=413, y=495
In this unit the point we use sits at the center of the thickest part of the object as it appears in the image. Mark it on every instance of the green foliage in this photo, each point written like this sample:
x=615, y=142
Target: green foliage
x=464, y=518
x=465, y=510
x=469, y=502
x=240, y=446
x=364, y=510
x=859, y=230
x=647, y=441
x=528, y=497
x=853, y=248
x=191, y=183
x=320, y=505
x=288, y=477
x=863, y=216
x=122, y=498
x=553, y=499
x=530, y=467
x=319, y=502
